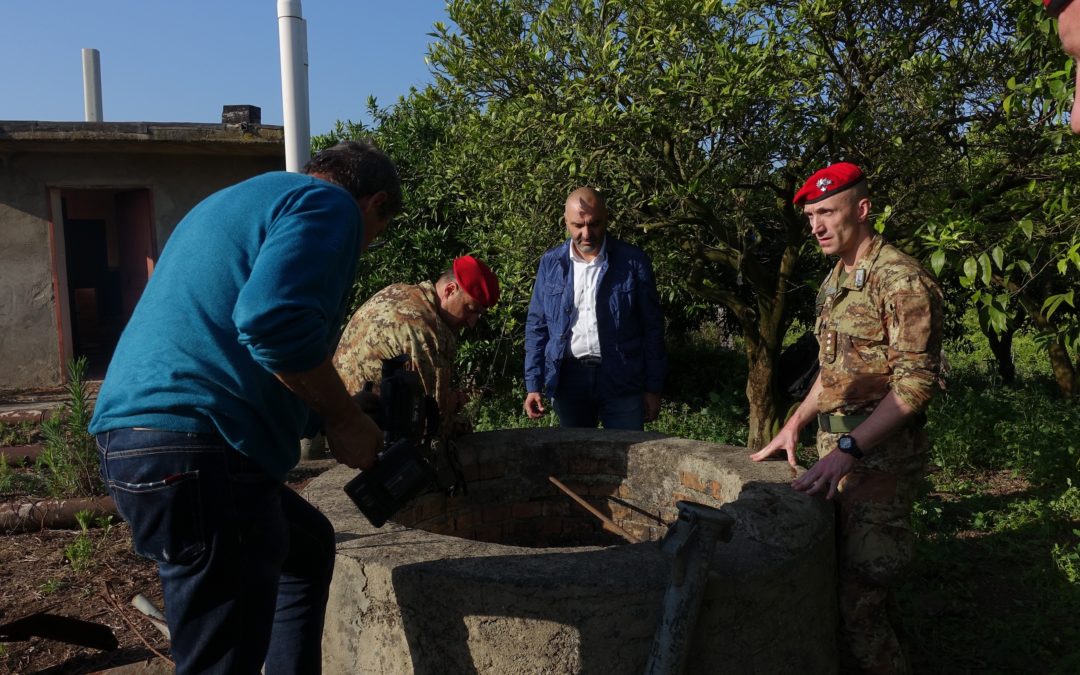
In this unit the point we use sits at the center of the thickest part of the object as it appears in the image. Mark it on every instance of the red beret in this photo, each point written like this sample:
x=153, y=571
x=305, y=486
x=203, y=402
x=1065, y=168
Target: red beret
x=1055, y=7
x=477, y=280
x=827, y=182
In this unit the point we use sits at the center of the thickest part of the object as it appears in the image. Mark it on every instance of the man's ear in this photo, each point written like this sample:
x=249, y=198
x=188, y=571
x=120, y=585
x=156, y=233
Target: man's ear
x=864, y=209
x=374, y=200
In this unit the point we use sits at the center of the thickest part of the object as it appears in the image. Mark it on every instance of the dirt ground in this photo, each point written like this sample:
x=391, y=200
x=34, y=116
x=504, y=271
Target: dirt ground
x=36, y=576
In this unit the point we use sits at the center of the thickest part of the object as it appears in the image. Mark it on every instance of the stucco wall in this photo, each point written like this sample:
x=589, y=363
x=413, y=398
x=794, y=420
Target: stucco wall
x=29, y=343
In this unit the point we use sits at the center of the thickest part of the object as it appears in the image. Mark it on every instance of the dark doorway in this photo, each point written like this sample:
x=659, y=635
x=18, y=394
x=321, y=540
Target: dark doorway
x=109, y=254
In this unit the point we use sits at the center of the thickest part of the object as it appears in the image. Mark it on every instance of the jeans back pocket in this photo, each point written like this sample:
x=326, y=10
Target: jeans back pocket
x=165, y=517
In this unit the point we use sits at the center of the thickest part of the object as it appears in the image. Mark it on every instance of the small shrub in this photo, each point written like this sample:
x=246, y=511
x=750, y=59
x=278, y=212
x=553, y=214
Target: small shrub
x=69, y=462
x=80, y=552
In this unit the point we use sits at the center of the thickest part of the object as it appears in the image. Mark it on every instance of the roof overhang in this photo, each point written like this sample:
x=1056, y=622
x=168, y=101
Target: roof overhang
x=165, y=138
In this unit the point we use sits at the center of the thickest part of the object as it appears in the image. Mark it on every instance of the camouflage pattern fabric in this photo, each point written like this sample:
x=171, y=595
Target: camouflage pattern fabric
x=875, y=545
x=879, y=330
x=400, y=319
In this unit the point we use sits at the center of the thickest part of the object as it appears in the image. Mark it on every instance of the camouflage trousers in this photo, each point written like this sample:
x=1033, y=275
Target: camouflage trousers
x=875, y=544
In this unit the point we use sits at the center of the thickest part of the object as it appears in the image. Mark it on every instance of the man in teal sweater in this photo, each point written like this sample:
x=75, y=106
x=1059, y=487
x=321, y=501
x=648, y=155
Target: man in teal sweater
x=209, y=390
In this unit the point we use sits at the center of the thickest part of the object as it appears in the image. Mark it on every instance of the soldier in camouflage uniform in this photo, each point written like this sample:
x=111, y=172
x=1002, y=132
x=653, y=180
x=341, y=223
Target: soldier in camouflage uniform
x=879, y=331
x=422, y=321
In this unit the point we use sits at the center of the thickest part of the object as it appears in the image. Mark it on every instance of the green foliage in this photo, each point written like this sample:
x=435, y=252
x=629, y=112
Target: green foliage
x=79, y=552
x=974, y=425
x=698, y=121
x=68, y=462
x=18, y=433
x=50, y=586
x=1004, y=224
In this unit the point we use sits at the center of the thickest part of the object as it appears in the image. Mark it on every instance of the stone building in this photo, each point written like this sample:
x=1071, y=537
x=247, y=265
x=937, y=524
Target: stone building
x=85, y=209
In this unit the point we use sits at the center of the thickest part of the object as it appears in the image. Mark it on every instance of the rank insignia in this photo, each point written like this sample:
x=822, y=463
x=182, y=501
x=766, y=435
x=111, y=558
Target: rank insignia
x=860, y=278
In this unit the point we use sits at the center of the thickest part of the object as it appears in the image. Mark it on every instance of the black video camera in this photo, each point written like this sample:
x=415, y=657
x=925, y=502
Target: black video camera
x=415, y=458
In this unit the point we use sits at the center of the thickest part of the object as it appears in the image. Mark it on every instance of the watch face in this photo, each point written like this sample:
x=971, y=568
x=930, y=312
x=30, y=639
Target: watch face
x=845, y=443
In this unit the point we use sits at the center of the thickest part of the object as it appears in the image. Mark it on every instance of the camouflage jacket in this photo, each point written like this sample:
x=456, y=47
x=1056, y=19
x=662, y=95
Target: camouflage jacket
x=878, y=329
x=400, y=319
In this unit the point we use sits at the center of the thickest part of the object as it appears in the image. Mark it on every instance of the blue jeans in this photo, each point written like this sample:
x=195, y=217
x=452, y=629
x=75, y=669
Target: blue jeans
x=245, y=562
x=579, y=402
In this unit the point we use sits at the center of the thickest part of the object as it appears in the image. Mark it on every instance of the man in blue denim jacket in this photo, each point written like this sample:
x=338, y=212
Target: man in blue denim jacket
x=594, y=338
x=211, y=385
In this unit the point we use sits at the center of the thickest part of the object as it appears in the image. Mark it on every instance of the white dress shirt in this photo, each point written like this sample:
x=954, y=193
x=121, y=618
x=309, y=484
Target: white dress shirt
x=584, y=336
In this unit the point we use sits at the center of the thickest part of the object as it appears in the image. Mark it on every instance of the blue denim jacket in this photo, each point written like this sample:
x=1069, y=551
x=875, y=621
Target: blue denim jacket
x=629, y=320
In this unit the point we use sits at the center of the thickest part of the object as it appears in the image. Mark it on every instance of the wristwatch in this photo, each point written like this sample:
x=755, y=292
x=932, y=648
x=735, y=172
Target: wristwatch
x=848, y=445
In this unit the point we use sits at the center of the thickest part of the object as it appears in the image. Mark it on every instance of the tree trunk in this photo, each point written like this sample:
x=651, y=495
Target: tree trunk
x=1001, y=346
x=760, y=392
x=1064, y=374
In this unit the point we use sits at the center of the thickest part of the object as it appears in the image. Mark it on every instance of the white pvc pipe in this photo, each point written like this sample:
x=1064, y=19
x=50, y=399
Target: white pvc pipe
x=292, y=37
x=91, y=73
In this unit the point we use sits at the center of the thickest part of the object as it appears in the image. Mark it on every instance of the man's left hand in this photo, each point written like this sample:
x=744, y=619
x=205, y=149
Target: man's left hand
x=825, y=474
x=652, y=406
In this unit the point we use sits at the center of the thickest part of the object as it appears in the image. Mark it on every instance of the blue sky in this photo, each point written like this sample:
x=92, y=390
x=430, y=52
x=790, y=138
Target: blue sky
x=181, y=60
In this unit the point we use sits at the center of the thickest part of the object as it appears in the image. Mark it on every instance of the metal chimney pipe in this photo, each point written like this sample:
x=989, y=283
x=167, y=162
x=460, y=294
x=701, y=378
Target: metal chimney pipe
x=292, y=37
x=91, y=72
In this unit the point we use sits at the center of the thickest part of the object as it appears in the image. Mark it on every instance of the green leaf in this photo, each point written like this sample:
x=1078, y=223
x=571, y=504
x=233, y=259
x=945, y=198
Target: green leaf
x=984, y=267
x=937, y=261
x=1026, y=227
x=971, y=268
x=999, y=257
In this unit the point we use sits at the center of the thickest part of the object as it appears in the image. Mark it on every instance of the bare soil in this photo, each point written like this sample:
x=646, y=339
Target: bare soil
x=36, y=576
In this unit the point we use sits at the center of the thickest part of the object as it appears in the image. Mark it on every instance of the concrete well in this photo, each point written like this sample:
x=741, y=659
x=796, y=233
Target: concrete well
x=516, y=578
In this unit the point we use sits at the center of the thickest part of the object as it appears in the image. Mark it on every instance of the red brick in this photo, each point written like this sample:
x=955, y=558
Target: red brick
x=603, y=489
x=691, y=480
x=714, y=489
x=467, y=520
x=585, y=465
x=471, y=473
x=557, y=508
x=527, y=510
x=492, y=470
x=496, y=513
x=432, y=506
x=489, y=533
x=552, y=526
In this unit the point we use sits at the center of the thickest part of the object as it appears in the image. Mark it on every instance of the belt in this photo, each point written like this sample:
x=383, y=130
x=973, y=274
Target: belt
x=587, y=361
x=839, y=424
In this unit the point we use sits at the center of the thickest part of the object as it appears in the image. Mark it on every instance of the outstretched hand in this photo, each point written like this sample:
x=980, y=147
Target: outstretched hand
x=826, y=474
x=787, y=440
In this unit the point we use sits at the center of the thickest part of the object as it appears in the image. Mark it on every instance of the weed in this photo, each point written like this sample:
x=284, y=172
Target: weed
x=18, y=433
x=80, y=553
x=1067, y=559
x=69, y=461
x=51, y=585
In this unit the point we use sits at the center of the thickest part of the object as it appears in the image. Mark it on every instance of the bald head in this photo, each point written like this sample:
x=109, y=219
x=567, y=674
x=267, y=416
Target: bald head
x=586, y=221
x=586, y=199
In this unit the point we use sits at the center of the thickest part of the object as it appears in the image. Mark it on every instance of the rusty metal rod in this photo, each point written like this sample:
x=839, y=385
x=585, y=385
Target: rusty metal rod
x=609, y=524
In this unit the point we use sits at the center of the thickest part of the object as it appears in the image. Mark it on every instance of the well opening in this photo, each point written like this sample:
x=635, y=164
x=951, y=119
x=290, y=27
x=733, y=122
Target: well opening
x=513, y=502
